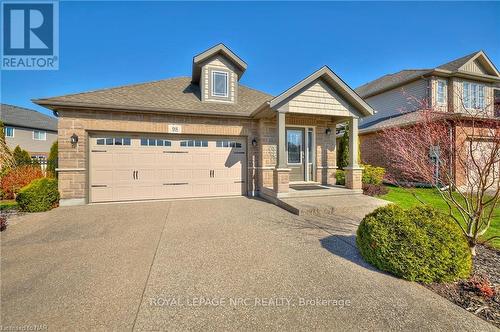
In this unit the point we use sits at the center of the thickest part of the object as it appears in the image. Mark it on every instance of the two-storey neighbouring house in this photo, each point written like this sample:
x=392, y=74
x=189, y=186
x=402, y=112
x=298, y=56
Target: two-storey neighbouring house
x=31, y=130
x=463, y=87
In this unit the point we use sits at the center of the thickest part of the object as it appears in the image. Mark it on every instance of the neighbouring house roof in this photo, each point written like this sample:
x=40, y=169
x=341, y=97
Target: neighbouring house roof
x=457, y=63
x=326, y=74
x=23, y=117
x=397, y=120
x=456, y=66
x=176, y=95
x=390, y=80
x=223, y=50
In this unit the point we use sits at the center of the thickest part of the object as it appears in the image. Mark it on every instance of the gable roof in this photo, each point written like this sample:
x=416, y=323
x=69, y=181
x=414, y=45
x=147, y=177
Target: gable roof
x=24, y=117
x=222, y=49
x=334, y=81
x=176, y=95
x=457, y=63
x=390, y=81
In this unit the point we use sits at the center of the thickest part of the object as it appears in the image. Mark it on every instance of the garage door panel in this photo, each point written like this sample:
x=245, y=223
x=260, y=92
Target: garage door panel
x=140, y=171
x=102, y=176
x=102, y=194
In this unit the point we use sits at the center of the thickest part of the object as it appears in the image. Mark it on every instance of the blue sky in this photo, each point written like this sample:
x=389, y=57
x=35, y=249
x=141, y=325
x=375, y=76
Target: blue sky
x=104, y=44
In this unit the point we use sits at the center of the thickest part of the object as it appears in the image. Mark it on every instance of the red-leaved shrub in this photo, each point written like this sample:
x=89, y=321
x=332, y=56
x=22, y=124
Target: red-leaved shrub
x=17, y=178
x=481, y=285
x=374, y=189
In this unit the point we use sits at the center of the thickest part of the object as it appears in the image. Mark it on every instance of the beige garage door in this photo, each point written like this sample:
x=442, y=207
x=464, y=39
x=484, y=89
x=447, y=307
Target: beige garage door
x=483, y=155
x=153, y=167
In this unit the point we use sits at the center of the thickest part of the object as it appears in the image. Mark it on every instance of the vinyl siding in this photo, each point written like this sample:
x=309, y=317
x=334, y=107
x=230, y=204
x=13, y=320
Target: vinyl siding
x=474, y=67
x=398, y=100
x=456, y=98
x=218, y=63
x=319, y=98
x=434, y=94
x=24, y=138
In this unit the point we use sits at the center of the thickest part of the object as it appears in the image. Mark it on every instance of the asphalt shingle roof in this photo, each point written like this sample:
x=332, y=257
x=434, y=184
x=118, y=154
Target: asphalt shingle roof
x=389, y=80
x=23, y=117
x=455, y=64
x=176, y=94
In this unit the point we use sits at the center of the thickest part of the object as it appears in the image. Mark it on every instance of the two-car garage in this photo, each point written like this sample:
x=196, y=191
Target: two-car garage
x=126, y=167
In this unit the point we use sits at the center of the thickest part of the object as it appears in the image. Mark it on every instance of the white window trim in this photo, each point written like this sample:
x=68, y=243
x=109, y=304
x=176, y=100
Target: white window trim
x=226, y=74
x=13, y=132
x=40, y=131
x=470, y=100
x=445, y=92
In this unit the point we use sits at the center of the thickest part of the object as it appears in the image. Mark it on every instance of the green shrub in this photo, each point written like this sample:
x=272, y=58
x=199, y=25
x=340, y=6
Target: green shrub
x=419, y=244
x=373, y=175
x=21, y=157
x=343, y=151
x=340, y=177
x=40, y=195
x=52, y=160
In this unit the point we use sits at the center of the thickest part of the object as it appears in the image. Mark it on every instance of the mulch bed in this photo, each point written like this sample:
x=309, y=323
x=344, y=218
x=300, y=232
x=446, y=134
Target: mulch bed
x=481, y=293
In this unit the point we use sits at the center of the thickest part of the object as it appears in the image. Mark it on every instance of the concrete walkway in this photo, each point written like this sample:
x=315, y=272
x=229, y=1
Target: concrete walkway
x=213, y=264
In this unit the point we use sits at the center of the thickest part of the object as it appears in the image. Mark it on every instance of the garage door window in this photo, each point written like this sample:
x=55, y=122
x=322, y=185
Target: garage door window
x=113, y=141
x=228, y=144
x=155, y=142
x=195, y=143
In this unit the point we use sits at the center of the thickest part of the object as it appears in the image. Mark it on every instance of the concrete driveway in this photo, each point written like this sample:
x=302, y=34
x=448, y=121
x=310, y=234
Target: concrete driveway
x=219, y=264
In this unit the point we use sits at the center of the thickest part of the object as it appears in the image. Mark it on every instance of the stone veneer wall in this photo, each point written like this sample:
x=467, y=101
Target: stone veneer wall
x=73, y=161
x=325, y=146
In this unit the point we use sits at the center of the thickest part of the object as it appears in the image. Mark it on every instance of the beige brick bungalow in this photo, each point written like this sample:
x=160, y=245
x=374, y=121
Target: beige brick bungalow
x=204, y=135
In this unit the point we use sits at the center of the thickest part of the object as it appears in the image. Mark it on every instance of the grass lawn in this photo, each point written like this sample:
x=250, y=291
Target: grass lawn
x=405, y=199
x=7, y=205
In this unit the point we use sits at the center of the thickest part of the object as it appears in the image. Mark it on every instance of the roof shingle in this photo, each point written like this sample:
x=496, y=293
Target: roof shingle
x=388, y=81
x=176, y=94
x=23, y=117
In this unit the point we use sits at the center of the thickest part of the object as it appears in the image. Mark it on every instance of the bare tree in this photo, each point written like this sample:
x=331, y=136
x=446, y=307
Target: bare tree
x=456, y=152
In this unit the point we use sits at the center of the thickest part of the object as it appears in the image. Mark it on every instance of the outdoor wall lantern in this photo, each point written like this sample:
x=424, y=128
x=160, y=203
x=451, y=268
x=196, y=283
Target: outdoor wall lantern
x=254, y=142
x=74, y=139
x=328, y=131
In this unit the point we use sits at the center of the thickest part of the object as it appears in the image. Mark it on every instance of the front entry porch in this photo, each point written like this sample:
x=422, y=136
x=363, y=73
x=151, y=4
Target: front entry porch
x=297, y=135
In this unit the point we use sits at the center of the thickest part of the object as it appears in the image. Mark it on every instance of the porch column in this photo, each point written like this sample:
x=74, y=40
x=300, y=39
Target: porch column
x=353, y=172
x=281, y=176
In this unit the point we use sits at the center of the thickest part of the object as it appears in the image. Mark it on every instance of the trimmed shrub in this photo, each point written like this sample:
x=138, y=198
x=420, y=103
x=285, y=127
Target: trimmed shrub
x=340, y=177
x=373, y=175
x=21, y=157
x=374, y=189
x=419, y=244
x=17, y=178
x=52, y=160
x=40, y=195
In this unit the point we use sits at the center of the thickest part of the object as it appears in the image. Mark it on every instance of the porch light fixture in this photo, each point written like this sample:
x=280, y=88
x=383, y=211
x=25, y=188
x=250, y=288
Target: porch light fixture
x=74, y=139
x=328, y=131
x=254, y=142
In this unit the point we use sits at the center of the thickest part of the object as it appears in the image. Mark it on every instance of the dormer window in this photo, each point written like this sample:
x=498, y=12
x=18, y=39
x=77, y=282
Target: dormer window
x=220, y=83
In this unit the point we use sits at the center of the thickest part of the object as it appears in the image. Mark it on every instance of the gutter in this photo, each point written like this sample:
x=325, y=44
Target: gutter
x=59, y=105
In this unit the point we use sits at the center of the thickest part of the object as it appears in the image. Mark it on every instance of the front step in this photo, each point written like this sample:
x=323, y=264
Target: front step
x=348, y=205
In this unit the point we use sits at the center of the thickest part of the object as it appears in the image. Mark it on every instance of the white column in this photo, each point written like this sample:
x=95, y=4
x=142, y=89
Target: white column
x=353, y=143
